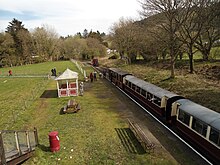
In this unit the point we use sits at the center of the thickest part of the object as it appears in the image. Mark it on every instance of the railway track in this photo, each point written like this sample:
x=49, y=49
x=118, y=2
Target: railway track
x=167, y=128
x=195, y=151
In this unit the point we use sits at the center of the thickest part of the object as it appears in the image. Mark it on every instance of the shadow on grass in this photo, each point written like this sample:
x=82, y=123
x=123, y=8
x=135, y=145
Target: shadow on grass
x=61, y=111
x=44, y=148
x=49, y=94
x=129, y=141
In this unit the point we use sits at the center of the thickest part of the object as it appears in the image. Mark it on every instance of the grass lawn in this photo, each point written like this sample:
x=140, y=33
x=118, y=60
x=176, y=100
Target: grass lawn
x=87, y=137
x=18, y=94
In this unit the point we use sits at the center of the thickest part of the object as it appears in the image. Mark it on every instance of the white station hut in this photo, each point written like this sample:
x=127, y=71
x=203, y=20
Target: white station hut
x=67, y=84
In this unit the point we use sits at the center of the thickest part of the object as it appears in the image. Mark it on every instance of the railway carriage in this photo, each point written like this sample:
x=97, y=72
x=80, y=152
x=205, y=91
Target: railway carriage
x=116, y=76
x=200, y=124
x=150, y=95
x=95, y=62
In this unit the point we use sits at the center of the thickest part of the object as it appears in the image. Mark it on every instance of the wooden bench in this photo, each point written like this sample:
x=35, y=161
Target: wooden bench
x=71, y=107
x=141, y=136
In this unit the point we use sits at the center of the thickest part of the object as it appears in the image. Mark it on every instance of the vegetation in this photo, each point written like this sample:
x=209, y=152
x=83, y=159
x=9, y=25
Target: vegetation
x=91, y=136
x=173, y=35
x=18, y=46
x=201, y=87
x=170, y=28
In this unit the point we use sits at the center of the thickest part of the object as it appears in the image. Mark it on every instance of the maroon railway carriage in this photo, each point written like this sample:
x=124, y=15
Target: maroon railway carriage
x=150, y=95
x=95, y=62
x=116, y=76
x=200, y=125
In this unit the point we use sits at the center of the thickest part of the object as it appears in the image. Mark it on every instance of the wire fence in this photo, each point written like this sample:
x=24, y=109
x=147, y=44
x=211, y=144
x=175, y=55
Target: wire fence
x=16, y=144
x=79, y=67
x=25, y=76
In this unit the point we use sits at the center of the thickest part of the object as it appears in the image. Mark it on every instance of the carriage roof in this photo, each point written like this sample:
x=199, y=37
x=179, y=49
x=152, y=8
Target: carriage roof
x=120, y=72
x=151, y=88
x=200, y=112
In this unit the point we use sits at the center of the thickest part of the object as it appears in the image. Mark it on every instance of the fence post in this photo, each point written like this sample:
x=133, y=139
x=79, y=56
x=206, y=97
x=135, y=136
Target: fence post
x=79, y=67
x=36, y=136
x=84, y=74
x=28, y=141
x=2, y=151
x=17, y=143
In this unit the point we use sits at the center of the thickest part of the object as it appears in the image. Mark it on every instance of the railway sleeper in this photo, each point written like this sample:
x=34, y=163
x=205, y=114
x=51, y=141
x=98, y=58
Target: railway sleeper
x=141, y=137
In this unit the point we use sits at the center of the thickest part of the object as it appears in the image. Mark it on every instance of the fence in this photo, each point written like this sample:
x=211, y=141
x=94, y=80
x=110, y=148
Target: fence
x=17, y=146
x=79, y=67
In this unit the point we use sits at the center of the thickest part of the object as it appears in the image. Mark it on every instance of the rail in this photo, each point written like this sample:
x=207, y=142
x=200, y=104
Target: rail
x=170, y=130
x=17, y=146
x=165, y=126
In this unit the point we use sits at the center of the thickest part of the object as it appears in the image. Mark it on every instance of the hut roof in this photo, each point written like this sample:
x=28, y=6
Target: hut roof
x=67, y=74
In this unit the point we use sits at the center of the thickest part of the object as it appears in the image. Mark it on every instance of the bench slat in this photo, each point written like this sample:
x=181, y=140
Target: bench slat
x=141, y=136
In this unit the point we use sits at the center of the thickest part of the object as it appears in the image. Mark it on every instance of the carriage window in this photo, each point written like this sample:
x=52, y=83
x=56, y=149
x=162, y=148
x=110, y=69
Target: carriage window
x=157, y=101
x=126, y=82
x=143, y=92
x=138, y=89
x=199, y=127
x=149, y=96
x=184, y=117
x=129, y=84
x=120, y=77
x=133, y=87
x=215, y=136
x=112, y=73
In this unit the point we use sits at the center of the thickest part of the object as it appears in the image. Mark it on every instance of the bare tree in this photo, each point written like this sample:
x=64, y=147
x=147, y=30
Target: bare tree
x=45, y=41
x=191, y=28
x=95, y=48
x=171, y=9
x=124, y=36
x=210, y=32
x=26, y=43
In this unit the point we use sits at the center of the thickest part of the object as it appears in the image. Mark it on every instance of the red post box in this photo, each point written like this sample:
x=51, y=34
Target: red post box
x=54, y=141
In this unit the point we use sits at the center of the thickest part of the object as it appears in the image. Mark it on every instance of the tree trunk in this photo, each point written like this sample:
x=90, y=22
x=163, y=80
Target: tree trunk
x=172, y=68
x=181, y=55
x=205, y=55
x=206, y=51
x=191, y=68
x=128, y=61
x=172, y=59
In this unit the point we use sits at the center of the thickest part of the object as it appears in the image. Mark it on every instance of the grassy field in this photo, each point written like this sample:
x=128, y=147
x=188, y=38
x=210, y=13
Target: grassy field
x=18, y=94
x=87, y=137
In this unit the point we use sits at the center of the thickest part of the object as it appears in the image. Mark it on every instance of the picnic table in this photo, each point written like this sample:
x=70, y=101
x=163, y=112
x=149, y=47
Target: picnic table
x=71, y=107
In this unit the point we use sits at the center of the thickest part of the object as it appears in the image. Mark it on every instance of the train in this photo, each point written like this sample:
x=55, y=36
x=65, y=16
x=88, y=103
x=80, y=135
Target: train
x=198, y=125
x=95, y=62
